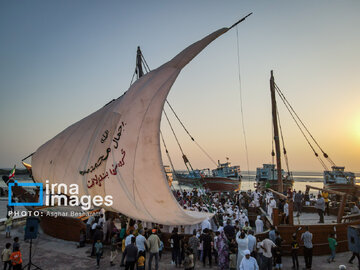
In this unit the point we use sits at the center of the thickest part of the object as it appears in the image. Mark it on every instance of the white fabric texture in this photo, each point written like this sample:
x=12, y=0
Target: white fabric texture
x=122, y=138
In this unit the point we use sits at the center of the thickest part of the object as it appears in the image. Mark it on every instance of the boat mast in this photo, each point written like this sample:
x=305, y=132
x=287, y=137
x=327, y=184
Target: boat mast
x=276, y=133
x=139, y=69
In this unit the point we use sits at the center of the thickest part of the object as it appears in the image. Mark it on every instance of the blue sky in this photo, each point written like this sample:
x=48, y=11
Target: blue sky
x=62, y=60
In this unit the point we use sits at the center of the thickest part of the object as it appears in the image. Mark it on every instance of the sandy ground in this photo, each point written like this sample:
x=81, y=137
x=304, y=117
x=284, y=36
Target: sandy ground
x=50, y=253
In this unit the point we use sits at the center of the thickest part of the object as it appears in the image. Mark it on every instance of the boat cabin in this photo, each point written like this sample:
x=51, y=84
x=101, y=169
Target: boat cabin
x=338, y=175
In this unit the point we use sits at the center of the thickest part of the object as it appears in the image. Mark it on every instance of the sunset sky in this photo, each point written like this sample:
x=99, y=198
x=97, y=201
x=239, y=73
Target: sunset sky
x=62, y=60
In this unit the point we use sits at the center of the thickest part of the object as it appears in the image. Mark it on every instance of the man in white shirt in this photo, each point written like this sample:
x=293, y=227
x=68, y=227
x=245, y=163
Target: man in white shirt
x=271, y=206
x=128, y=238
x=141, y=241
x=259, y=225
x=266, y=246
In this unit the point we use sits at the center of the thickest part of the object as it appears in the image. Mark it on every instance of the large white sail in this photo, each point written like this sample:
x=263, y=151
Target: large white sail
x=116, y=150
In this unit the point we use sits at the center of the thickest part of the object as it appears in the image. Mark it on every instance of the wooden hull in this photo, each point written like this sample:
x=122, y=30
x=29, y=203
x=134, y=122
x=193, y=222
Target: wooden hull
x=274, y=185
x=61, y=227
x=320, y=234
x=214, y=184
x=353, y=190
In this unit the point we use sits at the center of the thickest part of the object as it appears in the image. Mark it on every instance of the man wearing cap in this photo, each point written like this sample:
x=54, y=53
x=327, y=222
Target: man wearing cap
x=248, y=262
x=153, y=243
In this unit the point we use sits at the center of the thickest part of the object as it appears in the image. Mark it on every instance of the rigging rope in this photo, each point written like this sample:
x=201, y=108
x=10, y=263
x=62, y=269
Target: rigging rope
x=191, y=137
x=302, y=123
x=241, y=105
x=301, y=130
x=283, y=143
x=171, y=163
x=186, y=161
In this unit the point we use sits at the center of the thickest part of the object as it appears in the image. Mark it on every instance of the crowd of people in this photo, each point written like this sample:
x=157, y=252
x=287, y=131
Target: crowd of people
x=229, y=240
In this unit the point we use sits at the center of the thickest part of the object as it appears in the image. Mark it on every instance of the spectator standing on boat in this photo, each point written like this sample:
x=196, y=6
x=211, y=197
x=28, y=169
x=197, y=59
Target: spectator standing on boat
x=306, y=237
x=294, y=252
x=277, y=251
x=271, y=206
x=266, y=246
x=320, y=206
x=286, y=212
x=272, y=234
x=332, y=245
x=354, y=209
x=153, y=243
x=5, y=256
x=259, y=225
x=298, y=198
x=325, y=195
x=131, y=254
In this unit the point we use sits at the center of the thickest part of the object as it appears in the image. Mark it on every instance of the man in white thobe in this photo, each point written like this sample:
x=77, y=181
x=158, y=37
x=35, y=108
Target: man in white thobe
x=259, y=225
x=271, y=206
x=248, y=262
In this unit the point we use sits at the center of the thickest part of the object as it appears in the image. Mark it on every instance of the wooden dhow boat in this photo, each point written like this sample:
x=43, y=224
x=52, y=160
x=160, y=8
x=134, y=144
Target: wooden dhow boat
x=116, y=152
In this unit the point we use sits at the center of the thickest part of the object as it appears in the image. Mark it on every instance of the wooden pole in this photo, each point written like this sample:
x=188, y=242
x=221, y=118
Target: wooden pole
x=276, y=133
x=327, y=190
x=275, y=216
x=342, y=207
x=291, y=212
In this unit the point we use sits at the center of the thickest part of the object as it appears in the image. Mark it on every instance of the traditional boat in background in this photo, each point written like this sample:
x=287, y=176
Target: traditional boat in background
x=337, y=224
x=339, y=180
x=266, y=177
x=224, y=178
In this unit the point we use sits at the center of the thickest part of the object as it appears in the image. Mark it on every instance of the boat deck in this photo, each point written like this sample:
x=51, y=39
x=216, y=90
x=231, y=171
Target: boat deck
x=312, y=219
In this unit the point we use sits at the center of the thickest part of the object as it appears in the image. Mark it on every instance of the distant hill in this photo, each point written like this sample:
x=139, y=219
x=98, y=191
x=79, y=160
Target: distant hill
x=17, y=172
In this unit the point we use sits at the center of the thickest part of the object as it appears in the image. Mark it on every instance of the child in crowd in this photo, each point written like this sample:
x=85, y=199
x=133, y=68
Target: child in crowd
x=5, y=256
x=113, y=247
x=16, y=259
x=189, y=260
x=8, y=224
x=294, y=251
x=98, y=252
x=277, y=258
x=16, y=243
x=82, y=238
x=232, y=259
x=332, y=245
x=141, y=261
